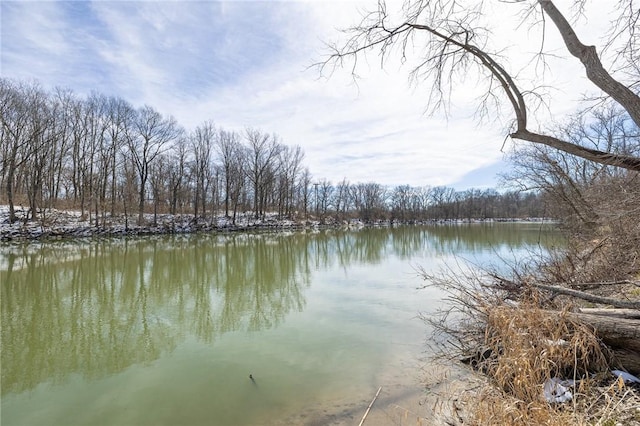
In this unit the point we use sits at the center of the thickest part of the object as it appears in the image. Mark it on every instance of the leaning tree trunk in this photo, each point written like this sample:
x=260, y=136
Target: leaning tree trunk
x=588, y=55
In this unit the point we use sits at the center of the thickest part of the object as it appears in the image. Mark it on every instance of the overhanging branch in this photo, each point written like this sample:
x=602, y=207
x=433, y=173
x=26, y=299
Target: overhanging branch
x=591, y=61
x=602, y=157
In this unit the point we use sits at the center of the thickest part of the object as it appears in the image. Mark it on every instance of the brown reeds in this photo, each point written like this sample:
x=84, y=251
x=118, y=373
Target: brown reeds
x=527, y=347
x=519, y=346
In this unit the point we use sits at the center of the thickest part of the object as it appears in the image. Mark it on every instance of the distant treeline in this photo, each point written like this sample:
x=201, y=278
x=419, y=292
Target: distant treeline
x=100, y=155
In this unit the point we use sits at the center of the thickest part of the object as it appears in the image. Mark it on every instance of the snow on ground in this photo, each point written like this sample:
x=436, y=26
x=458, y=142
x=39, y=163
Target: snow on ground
x=70, y=223
x=54, y=223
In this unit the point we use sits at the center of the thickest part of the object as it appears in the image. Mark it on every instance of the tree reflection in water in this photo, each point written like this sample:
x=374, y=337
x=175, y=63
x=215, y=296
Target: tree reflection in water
x=95, y=308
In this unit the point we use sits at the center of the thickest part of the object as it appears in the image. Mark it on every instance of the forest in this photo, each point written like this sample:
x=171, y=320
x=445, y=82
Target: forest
x=103, y=157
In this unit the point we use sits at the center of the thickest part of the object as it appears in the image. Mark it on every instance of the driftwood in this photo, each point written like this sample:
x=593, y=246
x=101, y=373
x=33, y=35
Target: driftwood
x=618, y=328
x=621, y=335
x=611, y=328
x=627, y=304
x=618, y=313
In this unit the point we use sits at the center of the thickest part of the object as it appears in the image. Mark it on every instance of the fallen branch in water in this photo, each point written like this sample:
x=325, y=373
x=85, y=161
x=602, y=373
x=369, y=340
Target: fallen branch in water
x=366, y=413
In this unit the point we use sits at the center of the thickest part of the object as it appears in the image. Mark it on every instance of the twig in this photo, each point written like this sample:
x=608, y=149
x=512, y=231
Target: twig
x=369, y=407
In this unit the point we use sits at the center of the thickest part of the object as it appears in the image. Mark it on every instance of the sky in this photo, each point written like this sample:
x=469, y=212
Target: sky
x=248, y=64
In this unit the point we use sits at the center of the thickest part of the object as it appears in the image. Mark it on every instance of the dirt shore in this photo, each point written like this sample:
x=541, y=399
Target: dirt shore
x=410, y=397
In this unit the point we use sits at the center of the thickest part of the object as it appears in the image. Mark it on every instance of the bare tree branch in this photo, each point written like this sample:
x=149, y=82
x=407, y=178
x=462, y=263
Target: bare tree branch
x=454, y=44
x=591, y=61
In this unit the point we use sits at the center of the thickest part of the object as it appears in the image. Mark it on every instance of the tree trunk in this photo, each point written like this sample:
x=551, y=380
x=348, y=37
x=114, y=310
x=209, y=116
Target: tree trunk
x=626, y=304
x=10, y=179
x=155, y=208
x=141, y=203
x=622, y=335
x=619, y=313
x=589, y=58
x=612, y=328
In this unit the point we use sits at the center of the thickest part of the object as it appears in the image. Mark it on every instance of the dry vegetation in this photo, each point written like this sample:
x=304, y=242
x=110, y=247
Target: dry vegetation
x=526, y=328
x=521, y=329
x=517, y=347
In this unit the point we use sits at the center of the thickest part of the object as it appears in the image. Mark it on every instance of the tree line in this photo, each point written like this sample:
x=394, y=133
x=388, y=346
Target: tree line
x=104, y=157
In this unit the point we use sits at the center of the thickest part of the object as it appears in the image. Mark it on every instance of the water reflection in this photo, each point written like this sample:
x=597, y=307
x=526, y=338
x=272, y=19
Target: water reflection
x=95, y=308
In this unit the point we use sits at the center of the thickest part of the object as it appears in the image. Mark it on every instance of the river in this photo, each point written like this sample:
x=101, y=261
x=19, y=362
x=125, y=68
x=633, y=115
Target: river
x=167, y=330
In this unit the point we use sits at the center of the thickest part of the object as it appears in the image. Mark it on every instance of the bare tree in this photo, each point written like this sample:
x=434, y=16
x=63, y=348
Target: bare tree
x=119, y=113
x=449, y=38
x=157, y=178
x=13, y=114
x=440, y=202
x=420, y=201
x=177, y=169
x=304, y=189
x=128, y=187
x=290, y=168
x=401, y=203
x=342, y=199
x=41, y=132
x=99, y=152
x=370, y=200
x=324, y=195
x=147, y=138
x=262, y=156
x=81, y=156
x=18, y=133
x=62, y=107
x=229, y=150
x=238, y=182
x=202, y=143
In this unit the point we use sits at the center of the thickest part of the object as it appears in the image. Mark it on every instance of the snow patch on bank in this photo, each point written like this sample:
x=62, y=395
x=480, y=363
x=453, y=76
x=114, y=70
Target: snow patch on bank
x=55, y=223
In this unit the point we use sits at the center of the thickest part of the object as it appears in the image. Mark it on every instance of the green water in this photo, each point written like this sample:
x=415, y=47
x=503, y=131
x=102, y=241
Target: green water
x=166, y=330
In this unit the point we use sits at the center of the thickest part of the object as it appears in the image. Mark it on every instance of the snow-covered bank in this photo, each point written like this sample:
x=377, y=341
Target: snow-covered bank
x=63, y=224
x=56, y=224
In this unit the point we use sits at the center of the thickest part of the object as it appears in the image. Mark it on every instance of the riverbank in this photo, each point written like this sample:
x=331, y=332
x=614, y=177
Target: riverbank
x=56, y=224
x=72, y=224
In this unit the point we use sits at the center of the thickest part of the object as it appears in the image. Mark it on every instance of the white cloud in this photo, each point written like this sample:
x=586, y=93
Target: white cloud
x=32, y=36
x=245, y=64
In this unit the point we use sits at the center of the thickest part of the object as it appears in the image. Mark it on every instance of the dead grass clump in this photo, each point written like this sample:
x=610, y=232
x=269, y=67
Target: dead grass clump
x=598, y=402
x=507, y=330
x=493, y=407
x=525, y=347
x=530, y=346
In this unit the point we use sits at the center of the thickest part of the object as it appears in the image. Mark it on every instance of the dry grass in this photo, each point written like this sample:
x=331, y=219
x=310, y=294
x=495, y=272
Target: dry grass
x=518, y=347
x=611, y=405
x=520, y=337
x=529, y=346
x=532, y=345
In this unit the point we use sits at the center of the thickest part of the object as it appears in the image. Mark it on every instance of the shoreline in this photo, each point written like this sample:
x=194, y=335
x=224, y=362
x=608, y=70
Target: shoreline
x=61, y=224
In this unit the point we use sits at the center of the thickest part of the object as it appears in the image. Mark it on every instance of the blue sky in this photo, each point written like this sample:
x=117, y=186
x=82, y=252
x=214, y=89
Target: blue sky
x=246, y=64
